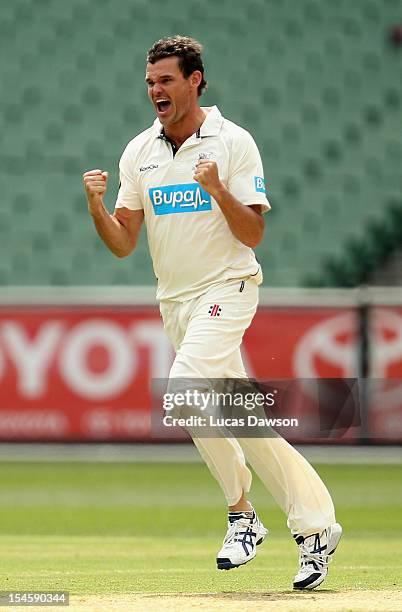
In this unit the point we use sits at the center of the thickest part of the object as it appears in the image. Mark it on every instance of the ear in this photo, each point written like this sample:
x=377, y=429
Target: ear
x=195, y=78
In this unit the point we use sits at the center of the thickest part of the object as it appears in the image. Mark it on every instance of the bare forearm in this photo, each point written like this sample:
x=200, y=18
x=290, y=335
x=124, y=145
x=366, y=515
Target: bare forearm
x=111, y=231
x=246, y=224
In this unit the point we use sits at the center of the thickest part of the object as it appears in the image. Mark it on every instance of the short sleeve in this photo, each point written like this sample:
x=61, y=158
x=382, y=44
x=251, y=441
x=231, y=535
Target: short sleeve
x=128, y=195
x=246, y=176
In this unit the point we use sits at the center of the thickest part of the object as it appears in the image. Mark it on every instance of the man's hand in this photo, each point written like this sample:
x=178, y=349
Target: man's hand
x=119, y=231
x=95, y=182
x=206, y=174
x=245, y=222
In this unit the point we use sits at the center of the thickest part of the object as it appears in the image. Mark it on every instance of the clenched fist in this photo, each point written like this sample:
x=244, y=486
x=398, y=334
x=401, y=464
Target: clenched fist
x=206, y=174
x=95, y=182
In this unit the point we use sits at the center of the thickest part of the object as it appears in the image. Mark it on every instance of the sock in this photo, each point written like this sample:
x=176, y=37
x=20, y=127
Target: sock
x=247, y=514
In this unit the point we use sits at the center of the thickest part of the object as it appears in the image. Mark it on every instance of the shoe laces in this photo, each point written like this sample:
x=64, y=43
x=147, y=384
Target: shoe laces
x=237, y=528
x=306, y=556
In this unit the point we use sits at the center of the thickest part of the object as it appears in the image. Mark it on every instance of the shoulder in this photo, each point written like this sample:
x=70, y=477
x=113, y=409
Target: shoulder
x=136, y=145
x=236, y=136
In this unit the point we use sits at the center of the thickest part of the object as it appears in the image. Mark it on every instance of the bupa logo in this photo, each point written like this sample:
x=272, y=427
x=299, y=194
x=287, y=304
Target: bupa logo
x=259, y=184
x=171, y=199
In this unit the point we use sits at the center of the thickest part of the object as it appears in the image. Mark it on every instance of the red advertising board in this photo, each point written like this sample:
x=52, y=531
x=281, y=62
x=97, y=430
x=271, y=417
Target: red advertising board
x=385, y=393
x=79, y=373
x=84, y=373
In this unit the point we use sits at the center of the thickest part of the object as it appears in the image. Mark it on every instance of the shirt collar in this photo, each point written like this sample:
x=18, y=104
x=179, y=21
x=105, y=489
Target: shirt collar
x=212, y=122
x=210, y=127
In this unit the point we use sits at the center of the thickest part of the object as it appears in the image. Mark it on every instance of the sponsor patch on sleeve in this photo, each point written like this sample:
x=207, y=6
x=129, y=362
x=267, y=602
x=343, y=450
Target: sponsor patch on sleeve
x=259, y=184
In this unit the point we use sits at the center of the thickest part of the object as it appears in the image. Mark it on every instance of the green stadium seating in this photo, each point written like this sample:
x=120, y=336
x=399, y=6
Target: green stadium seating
x=316, y=82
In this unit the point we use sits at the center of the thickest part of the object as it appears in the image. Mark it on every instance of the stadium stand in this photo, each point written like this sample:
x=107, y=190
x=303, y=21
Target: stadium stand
x=316, y=82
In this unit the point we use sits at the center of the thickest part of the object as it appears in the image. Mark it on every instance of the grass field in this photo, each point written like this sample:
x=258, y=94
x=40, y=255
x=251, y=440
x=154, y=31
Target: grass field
x=144, y=537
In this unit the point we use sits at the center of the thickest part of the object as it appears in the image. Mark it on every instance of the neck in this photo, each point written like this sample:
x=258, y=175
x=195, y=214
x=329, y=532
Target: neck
x=186, y=127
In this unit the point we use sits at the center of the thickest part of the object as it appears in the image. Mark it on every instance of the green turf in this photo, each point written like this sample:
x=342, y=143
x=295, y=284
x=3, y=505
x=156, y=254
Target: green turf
x=120, y=528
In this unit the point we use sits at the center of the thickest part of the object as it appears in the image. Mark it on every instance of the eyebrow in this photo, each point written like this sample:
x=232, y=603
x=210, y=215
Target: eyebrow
x=162, y=76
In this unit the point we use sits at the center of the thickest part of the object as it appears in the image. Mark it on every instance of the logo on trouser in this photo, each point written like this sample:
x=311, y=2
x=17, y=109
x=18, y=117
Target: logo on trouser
x=215, y=310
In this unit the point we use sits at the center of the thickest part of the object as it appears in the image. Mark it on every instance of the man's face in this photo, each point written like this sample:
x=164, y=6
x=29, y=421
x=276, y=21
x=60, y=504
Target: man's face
x=170, y=93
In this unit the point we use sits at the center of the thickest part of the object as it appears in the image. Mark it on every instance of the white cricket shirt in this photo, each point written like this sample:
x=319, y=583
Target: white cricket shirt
x=190, y=242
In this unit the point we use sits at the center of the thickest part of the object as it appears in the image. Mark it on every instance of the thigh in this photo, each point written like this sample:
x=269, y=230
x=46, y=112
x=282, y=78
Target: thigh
x=175, y=317
x=235, y=367
x=211, y=344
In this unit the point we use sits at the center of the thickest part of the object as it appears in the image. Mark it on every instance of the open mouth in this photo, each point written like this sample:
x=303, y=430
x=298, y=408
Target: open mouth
x=163, y=105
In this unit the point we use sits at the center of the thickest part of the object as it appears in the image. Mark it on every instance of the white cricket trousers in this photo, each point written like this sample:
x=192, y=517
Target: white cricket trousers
x=207, y=345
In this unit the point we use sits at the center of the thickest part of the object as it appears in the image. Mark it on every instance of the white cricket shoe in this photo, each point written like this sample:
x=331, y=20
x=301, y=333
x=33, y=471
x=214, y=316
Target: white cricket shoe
x=315, y=551
x=245, y=532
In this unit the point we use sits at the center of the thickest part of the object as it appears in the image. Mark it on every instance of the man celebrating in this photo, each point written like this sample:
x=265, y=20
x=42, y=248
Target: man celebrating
x=196, y=179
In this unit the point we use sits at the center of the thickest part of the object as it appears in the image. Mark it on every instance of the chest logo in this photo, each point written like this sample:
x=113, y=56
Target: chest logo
x=170, y=199
x=206, y=155
x=149, y=167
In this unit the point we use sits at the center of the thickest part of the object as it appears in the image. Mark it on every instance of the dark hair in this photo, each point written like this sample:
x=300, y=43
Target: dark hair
x=187, y=49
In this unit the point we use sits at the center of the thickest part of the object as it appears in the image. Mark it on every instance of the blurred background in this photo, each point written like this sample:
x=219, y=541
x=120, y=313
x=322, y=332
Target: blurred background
x=318, y=85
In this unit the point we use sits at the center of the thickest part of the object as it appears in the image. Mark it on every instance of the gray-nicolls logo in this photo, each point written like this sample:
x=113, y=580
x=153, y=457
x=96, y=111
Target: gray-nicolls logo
x=215, y=310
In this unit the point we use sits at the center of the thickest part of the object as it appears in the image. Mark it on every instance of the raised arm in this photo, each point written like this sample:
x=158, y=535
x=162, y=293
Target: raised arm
x=119, y=231
x=242, y=200
x=246, y=222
